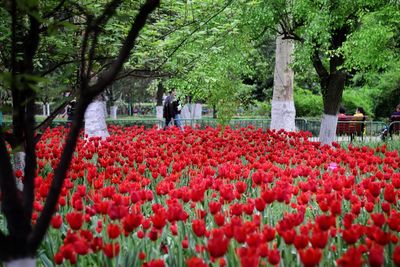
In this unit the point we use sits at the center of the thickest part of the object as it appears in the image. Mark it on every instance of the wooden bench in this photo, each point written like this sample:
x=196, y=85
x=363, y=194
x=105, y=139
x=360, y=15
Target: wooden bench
x=351, y=125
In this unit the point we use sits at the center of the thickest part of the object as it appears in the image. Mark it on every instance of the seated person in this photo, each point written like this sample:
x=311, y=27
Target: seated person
x=397, y=112
x=342, y=113
x=395, y=116
x=360, y=113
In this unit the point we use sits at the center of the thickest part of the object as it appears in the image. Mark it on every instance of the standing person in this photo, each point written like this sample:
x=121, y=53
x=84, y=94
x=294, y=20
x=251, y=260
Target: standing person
x=168, y=112
x=177, y=107
x=70, y=112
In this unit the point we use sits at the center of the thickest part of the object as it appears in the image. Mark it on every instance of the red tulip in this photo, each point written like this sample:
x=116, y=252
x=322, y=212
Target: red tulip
x=113, y=231
x=310, y=257
x=199, y=227
x=75, y=220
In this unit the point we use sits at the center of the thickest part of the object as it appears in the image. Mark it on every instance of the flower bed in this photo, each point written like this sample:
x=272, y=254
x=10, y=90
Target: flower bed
x=207, y=197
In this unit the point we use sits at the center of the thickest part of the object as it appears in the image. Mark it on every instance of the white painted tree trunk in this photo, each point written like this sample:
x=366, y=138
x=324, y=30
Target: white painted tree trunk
x=159, y=112
x=327, y=133
x=113, y=112
x=27, y=262
x=283, y=111
x=185, y=112
x=19, y=164
x=196, y=111
x=44, y=110
x=95, y=120
x=160, y=116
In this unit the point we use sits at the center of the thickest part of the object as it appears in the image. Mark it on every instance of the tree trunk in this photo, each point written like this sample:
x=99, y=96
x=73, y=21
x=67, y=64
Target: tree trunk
x=332, y=96
x=327, y=133
x=19, y=164
x=185, y=112
x=197, y=108
x=113, y=112
x=332, y=82
x=95, y=119
x=214, y=112
x=27, y=262
x=283, y=112
x=160, y=94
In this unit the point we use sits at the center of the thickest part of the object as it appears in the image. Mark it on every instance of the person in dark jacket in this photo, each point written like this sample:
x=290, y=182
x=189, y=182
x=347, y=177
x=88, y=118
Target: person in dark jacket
x=70, y=112
x=172, y=110
x=168, y=110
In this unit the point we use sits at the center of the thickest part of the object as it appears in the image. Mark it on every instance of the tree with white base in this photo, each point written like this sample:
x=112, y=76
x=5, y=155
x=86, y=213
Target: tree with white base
x=95, y=119
x=283, y=112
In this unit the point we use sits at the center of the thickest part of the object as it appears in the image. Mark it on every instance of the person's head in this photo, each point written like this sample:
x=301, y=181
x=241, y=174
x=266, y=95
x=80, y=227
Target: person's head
x=360, y=110
x=398, y=108
x=342, y=110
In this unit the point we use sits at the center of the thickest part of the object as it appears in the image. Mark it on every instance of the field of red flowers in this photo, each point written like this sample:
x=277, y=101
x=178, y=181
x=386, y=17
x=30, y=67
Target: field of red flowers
x=220, y=198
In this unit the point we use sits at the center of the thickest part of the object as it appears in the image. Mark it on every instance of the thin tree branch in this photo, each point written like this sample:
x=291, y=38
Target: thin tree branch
x=56, y=66
x=143, y=74
x=54, y=10
x=47, y=122
x=109, y=10
x=106, y=77
x=193, y=32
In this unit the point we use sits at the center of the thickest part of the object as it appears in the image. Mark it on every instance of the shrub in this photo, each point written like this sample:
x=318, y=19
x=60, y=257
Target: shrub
x=307, y=104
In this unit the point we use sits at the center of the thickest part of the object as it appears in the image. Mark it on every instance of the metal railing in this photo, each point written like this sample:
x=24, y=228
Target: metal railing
x=372, y=130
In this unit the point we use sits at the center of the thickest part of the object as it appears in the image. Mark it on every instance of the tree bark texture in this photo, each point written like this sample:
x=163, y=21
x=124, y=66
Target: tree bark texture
x=113, y=112
x=283, y=111
x=332, y=83
x=26, y=262
x=95, y=120
x=159, y=112
x=327, y=133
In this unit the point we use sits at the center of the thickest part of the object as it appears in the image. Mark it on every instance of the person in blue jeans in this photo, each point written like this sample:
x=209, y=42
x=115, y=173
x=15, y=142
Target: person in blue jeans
x=176, y=111
x=172, y=110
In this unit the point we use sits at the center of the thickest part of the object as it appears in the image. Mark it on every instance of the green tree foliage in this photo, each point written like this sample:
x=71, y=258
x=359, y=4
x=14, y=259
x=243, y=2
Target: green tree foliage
x=307, y=104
